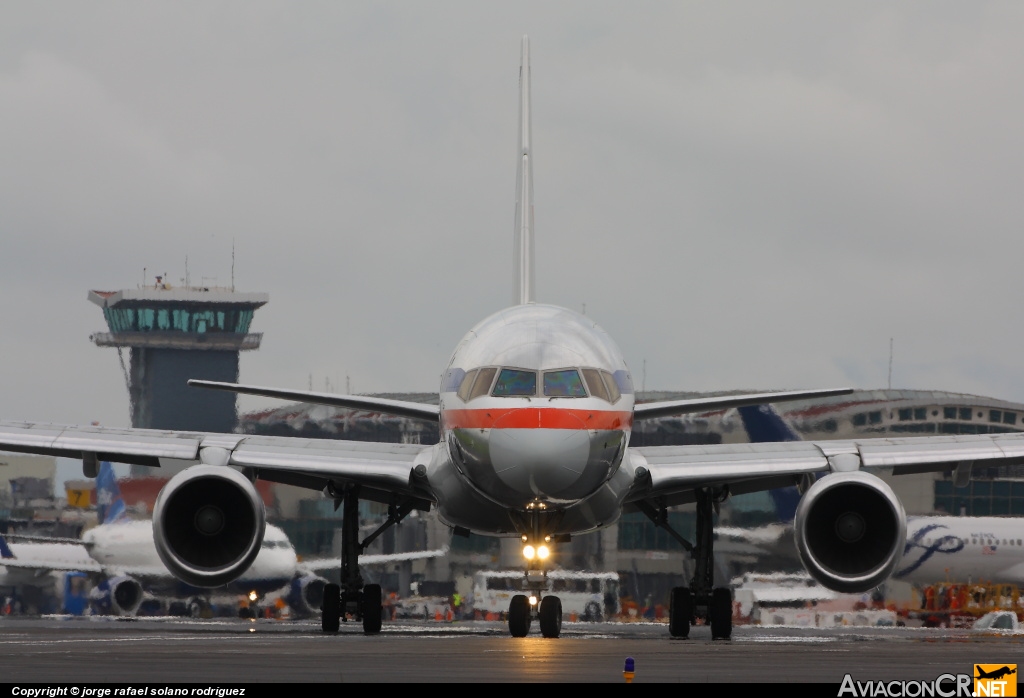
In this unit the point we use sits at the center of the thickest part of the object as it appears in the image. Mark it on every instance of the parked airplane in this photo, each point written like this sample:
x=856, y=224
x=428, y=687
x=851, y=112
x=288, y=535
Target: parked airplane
x=938, y=548
x=121, y=557
x=536, y=408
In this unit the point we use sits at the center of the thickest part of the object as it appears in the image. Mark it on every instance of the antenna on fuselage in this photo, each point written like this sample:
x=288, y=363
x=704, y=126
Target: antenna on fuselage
x=523, y=244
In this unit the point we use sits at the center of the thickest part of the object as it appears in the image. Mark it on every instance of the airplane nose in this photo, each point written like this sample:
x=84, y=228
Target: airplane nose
x=540, y=462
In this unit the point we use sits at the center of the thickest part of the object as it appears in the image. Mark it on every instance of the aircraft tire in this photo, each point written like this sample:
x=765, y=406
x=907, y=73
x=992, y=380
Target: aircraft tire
x=680, y=611
x=330, y=609
x=720, y=614
x=373, y=609
x=550, y=616
x=519, y=616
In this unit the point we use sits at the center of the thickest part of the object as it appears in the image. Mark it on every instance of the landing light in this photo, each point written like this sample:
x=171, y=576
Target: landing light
x=529, y=552
x=533, y=600
x=543, y=552
x=253, y=596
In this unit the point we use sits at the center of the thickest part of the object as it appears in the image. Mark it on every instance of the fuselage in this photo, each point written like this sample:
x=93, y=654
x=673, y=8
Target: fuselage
x=536, y=413
x=127, y=547
x=963, y=549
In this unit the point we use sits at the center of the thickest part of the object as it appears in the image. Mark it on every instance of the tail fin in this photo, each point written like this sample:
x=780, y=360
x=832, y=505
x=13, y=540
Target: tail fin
x=523, y=241
x=110, y=503
x=764, y=424
x=5, y=550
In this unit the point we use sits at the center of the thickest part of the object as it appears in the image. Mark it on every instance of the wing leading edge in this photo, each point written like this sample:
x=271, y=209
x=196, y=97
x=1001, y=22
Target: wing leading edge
x=383, y=468
x=667, y=408
x=671, y=474
x=399, y=408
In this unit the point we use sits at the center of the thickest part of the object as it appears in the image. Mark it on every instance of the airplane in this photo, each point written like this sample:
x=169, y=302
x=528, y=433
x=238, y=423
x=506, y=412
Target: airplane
x=995, y=673
x=937, y=548
x=535, y=411
x=121, y=556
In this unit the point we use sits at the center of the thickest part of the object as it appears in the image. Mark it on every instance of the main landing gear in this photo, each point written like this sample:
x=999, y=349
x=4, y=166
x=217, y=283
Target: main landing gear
x=699, y=600
x=352, y=597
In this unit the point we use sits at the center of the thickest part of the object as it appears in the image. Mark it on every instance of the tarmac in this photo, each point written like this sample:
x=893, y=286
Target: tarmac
x=66, y=650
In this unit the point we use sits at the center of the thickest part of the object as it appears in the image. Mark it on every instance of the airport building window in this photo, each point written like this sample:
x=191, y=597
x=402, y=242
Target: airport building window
x=981, y=498
x=965, y=413
x=860, y=419
x=921, y=413
x=514, y=382
x=566, y=383
x=995, y=416
x=875, y=417
x=637, y=532
x=906, y=414
x=1009, y=417
x=949, y=413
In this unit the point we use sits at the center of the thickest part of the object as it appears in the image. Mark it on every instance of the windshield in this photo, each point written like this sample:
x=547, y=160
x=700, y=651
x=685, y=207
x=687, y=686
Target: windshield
x=515, y=382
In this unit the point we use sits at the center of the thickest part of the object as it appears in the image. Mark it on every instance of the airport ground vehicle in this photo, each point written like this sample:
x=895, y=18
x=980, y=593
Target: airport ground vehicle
x=950, y=605
x=591, y=596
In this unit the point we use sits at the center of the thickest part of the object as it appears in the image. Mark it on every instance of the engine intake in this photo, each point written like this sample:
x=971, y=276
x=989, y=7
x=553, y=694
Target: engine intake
x=208, y=525
x=850, y=530
x=120, y=596
x=306, y=594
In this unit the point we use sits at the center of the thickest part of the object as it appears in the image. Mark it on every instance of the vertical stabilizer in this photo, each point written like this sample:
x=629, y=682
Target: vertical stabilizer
x=5, y=551
x=110, y=503
x=524, y=189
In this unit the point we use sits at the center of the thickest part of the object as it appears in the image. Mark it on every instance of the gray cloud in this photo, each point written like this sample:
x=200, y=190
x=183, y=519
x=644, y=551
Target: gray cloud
x=744, y=196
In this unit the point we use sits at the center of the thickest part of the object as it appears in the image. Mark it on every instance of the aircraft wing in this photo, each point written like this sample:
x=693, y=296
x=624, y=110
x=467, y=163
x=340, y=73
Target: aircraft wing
x=667, y=408
x=401, y=408
x=672, y=473
x=382, y=467
x=324, y=564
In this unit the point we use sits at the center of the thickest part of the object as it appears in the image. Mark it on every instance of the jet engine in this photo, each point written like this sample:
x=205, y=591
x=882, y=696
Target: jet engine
x=306, y=594
x=208, y=525
x=850, y=530
x=120, y=596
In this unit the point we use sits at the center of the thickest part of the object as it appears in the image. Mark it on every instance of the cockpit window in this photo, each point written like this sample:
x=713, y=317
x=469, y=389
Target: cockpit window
x=596, y=384
x=565, y=383
x=476, y=383
x=613, y=388
x=483, y=382
x=467, y=385
x=515, y=382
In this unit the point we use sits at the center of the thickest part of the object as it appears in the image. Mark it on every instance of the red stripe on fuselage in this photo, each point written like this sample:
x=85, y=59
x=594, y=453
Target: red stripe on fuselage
x=537, y=418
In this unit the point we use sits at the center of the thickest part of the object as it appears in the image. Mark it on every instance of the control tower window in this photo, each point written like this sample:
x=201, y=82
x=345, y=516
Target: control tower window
x=514, y=382
x=566, y=383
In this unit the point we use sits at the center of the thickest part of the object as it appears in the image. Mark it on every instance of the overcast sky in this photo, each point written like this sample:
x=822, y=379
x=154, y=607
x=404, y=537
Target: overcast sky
x=753, y=195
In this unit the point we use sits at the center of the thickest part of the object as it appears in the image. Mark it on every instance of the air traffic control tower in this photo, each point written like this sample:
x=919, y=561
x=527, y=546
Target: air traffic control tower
x=177, y=333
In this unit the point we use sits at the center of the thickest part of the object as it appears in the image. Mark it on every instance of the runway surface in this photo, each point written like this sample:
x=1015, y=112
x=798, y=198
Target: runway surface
x=158, y=652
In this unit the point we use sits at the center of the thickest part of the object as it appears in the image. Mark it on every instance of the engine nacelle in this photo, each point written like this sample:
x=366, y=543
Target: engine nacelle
x=208, y=525
x=850, y=531
x=120, y=596
x=306, y=594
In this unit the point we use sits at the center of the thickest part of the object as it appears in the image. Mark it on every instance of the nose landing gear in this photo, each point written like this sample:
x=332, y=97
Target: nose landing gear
x=537, y=547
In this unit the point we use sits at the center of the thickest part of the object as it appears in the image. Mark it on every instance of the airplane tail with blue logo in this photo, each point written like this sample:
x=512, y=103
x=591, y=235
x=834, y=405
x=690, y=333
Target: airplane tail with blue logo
x=5, y=550
x=109, y=502
x=763, y=425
